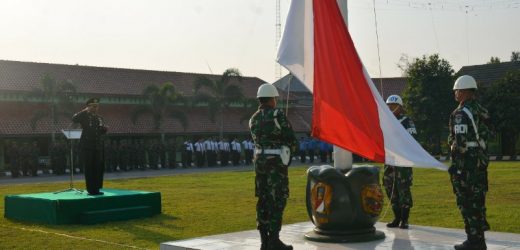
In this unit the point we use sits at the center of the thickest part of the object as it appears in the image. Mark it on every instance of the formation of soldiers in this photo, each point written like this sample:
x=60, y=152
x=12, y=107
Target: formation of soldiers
x=132, y=154
x=212, y=152
x=23, y=158
x=315, y=149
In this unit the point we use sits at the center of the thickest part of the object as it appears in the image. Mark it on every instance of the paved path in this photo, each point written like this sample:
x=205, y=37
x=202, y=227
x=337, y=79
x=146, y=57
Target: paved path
x=121, y=175
x=417, y=237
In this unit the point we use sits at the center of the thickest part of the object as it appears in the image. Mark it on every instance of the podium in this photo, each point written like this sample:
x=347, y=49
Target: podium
x=71, y=134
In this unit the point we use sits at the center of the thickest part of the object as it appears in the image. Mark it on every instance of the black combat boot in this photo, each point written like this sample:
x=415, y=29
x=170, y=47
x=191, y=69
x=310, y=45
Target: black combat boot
x=473, y=243
x=264, y=236
x=405, y=214
x=397, y=217
x=276, y=244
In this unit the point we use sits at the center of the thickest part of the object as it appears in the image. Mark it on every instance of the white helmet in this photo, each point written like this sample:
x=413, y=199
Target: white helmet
x=394, y=99
x=267, y=90
x=465, y=82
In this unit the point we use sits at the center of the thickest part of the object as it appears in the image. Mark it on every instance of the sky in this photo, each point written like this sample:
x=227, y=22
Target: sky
x=209, y=36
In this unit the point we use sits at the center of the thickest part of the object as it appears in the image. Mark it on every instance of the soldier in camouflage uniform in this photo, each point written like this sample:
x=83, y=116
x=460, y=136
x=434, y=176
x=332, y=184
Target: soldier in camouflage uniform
x=154, y=153
x=141, y=155
x=25, y=161
x=124, y=156
x=34, y=154
x=14, y=159
x=270, y=130
x=469, y=132
x=110, y=156
x=398, y=180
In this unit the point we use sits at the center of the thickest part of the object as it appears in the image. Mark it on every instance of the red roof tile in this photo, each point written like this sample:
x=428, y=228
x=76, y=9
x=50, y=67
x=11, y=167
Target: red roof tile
x=15, y=120
x=24, y=76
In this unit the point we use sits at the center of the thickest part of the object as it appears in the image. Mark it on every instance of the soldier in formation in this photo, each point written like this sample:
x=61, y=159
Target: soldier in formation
x=236, y=149
x=187, y=154
x=199, y=153
x=171, y=153
x=271, y=132
x=13, y=152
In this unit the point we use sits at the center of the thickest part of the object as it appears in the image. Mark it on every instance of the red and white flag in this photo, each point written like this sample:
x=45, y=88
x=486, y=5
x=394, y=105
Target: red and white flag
x=348, y=111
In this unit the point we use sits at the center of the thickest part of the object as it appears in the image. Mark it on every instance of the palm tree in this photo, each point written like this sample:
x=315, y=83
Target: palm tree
x=219, y=94
x=56, y=96
x=250, y=107
x=161, y=103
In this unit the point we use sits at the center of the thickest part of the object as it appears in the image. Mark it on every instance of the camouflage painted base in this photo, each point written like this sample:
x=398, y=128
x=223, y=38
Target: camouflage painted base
x=344, y=207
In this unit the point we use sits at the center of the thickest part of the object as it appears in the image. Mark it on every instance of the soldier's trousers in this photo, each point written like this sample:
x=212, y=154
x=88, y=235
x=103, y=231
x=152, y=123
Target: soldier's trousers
x=397, y=182
x=15, y=169
x=302, y=156
x=470, y=191
x=272, y=190
x=94, y=168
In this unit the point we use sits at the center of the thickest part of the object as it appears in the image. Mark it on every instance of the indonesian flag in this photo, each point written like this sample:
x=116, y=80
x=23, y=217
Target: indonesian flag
x=348, y=111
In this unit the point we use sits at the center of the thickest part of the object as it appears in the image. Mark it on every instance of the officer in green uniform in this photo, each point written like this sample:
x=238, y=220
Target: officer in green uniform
x=397, y=180
x=91, y=145
x=469, y=132
x=272, y=134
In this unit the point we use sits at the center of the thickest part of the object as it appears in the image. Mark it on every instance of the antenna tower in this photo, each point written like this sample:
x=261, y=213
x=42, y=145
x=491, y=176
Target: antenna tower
x=278, y=24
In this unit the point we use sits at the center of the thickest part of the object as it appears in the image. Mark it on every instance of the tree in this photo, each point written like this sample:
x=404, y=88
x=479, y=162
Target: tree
x=502, y=99
x=515, y=56
x=429, y=99
x=56, y=97
x=161, y=101
x=219, y=94
x=494, y=59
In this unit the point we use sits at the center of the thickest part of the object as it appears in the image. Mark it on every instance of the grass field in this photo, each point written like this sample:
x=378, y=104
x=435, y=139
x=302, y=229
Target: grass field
x=213, y=203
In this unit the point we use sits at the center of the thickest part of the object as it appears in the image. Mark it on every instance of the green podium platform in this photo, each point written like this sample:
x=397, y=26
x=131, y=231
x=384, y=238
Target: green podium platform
x=80, y=208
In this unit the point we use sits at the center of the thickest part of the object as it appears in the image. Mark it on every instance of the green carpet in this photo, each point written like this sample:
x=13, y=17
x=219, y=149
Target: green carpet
x=80, y=208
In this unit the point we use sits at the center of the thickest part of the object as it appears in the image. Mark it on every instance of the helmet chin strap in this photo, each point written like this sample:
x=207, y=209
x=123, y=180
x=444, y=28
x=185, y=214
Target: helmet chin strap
x=395, y=109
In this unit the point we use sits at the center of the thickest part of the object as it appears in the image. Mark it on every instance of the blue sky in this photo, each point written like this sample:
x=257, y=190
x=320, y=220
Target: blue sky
x=207, y=35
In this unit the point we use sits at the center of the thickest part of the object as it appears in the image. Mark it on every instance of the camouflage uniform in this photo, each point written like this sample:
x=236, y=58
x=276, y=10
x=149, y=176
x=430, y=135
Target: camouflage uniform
x=272, y=183
x=400, y=195
x=34, y=154
x=140, y=155
x=110, y=156
x=14, y=159
x=468, y=170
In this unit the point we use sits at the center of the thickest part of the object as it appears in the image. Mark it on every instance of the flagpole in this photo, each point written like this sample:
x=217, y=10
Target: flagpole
x=342, y=158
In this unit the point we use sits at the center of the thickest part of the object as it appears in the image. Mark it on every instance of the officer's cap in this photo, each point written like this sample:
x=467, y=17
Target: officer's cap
x=93, y=101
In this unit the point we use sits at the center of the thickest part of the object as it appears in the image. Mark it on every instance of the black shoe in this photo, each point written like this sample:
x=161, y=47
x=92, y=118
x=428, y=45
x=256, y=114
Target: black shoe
x=96, y=193
x=405, y=214
x=394, y=223
x=264, y=236
x=472, y=245
x=276, y=244
x=397, y=218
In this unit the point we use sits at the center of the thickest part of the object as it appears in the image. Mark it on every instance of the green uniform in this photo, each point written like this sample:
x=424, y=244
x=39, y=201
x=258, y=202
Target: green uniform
x=91, y=145
x=397, y=180
x=270, y=130
x=468, y=171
